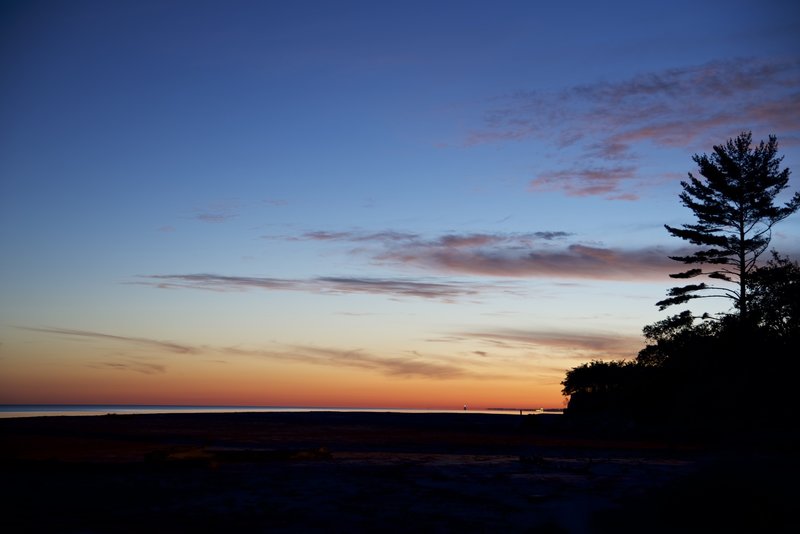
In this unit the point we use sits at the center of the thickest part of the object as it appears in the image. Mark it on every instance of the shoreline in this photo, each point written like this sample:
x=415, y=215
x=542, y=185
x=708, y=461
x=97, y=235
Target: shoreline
x=40, y=410
x=359, y=472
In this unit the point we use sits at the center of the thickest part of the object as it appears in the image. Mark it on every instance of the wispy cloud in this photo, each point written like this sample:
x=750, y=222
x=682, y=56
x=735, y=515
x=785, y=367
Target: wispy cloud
x=557, y=343
x=405, y=288
x=167, y=346
x=354, y=236
x=404, y=365
x=210, y=217
x=490, y=353
x=546, y=354
x=605, y=123
x=586, y=182
x=217, y=213
x=130, y=365
x=447, y=240
x=560, y=339
x=570, y=262
x=394, y=287
x=524, y=255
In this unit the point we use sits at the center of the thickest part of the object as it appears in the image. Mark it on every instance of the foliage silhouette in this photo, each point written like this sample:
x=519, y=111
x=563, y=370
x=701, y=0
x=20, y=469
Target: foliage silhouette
x=735, y=210
x=775, y=297
x=704, y=376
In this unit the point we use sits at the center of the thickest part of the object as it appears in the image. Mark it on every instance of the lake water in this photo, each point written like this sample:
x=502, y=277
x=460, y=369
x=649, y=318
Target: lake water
x=40, y=410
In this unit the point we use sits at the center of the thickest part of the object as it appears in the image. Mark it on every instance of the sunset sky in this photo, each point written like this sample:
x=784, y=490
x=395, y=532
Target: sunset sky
x=359, y=204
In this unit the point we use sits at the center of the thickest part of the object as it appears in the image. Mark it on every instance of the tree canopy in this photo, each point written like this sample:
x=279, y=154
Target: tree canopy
x=775, y=297
x=714, y=369
x=735, y=210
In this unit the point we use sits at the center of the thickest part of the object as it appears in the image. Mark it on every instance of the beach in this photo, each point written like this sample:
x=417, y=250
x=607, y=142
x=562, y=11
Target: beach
x=380, y=472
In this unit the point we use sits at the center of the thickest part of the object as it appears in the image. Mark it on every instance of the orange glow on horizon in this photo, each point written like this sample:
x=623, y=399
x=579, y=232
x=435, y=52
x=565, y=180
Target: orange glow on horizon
x=38, y=375
x=301, y=392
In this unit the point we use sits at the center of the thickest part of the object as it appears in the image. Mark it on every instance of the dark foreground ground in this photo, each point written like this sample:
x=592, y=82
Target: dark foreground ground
x=382, y=472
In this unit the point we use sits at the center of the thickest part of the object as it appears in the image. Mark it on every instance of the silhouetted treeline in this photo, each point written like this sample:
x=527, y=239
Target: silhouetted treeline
x=702, y=375
x=730, y=371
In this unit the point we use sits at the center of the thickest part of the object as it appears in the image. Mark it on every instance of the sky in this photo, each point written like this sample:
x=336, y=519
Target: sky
x=359, y=204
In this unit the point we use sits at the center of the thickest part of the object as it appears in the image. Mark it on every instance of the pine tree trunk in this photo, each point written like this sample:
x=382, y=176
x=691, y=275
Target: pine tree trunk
x=742, y=276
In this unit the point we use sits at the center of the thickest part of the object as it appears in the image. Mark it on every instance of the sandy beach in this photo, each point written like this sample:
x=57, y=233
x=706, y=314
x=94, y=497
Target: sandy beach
x=380, y=472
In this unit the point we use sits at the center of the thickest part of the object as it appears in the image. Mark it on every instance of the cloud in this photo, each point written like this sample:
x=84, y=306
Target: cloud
x=153, y=343
x=545, y=353
x=476, y=363
x=600, y=344
x=544, y=254
x=607, y=122
x=405, y=288
x=130, y=365
x=407, y=365
x=574, y=261
x=402, y=366
x=521, y=255
x=393, y=239
x=322, y=235
x=214, y=217
x=217, y=213
x=396, y=287
x=213, y=282
x=586, y=182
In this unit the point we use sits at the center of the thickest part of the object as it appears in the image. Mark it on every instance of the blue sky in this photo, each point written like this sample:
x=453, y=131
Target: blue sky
x=393, y=203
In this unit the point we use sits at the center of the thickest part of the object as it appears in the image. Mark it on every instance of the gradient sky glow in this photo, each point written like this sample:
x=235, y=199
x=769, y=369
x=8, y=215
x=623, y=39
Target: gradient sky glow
x=366, y=204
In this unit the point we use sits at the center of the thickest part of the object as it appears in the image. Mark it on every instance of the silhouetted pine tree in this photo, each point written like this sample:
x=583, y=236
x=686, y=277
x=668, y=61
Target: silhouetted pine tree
x=734, y=205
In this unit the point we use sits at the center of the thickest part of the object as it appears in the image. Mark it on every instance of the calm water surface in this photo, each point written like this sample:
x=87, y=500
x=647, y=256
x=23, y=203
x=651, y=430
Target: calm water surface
x=40, y=410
